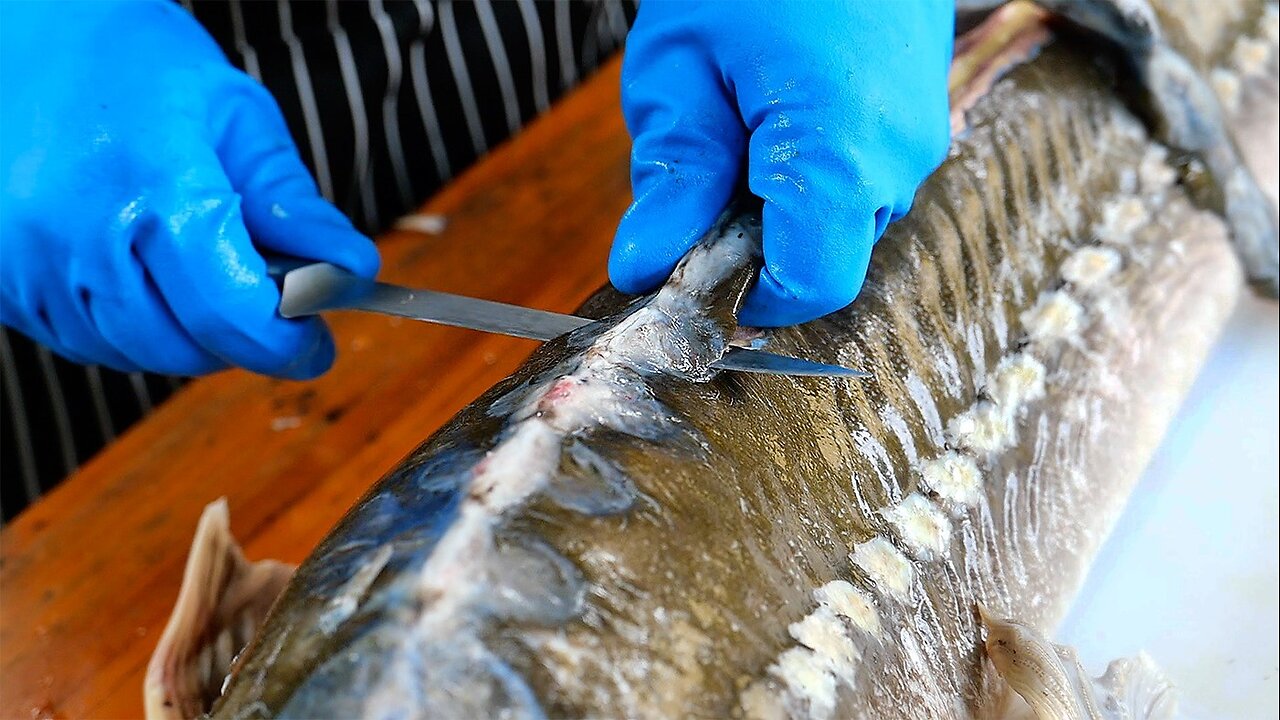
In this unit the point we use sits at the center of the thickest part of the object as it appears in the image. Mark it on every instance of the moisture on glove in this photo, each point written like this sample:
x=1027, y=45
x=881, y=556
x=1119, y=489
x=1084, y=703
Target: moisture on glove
x=141, y=172
x=834, y=112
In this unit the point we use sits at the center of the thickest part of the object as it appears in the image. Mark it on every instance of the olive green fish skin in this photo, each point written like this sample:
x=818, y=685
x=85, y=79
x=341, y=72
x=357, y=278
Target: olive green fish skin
x=681, y=556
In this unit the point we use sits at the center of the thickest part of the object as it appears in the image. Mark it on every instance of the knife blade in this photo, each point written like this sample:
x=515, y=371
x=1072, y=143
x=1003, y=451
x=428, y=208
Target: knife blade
x=310, y=288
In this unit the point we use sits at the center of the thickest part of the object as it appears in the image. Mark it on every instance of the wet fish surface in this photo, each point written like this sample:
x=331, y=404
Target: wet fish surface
x=618, y=530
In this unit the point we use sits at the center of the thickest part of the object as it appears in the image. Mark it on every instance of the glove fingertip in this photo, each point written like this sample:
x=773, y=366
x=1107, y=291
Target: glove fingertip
x=772, y=303
x=316, y=358
x=72, y=356
x=766, y=307
x=363, y=257
x=645, y=251
x=310, y=227
x=662, y=224
x=348, y=249
x=632, y=269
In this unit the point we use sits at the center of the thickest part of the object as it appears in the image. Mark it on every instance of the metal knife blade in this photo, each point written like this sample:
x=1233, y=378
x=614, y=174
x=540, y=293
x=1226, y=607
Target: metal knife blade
x=317, y=287
x=308, y=289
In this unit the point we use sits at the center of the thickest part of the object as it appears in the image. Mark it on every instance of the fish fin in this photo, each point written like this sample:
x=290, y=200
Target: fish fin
x=1139, y=684
x=223, y=601
x=1011, y=35
x=1054, y=685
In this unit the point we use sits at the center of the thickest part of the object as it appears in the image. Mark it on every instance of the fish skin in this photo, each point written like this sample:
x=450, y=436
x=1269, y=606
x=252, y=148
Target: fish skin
x=684, y=528
x=1166, y=77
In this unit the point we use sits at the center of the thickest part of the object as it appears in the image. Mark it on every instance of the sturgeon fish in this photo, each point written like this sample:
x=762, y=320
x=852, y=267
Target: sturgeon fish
x=617, y=530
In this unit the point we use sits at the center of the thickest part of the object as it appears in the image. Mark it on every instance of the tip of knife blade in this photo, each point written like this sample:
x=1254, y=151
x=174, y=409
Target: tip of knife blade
x=841, y=371
x=760, y=361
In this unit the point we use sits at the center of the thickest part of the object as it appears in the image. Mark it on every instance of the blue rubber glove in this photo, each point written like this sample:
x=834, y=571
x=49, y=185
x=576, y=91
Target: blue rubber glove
x=139, y=171
x=838, y=110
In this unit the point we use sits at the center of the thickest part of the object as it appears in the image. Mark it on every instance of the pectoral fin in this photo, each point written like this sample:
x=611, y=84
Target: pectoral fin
x=1053, y=683
x=223, y=600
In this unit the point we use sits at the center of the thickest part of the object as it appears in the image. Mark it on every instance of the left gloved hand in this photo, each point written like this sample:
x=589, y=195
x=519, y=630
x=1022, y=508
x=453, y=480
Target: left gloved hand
x=837, y=109
x=142, y=174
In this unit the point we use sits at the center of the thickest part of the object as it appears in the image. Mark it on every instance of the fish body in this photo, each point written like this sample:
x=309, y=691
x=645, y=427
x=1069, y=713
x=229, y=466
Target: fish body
x=618, y=530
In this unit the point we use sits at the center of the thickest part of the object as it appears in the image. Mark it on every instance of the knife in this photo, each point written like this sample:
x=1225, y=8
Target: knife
x=309, y=288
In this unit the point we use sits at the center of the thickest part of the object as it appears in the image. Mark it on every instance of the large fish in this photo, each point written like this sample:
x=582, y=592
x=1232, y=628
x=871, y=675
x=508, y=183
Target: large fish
x=617, y=530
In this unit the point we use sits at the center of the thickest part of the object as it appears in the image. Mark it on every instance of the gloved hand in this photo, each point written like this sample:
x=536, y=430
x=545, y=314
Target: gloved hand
x=139, y=169
x=837, y=109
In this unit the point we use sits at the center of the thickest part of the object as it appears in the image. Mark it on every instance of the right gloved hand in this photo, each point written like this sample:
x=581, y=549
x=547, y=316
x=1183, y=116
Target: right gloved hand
x=139, y=170
x=833, y=111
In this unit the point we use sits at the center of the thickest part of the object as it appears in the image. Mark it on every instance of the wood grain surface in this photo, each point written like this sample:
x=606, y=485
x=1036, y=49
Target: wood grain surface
x=89, y=573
